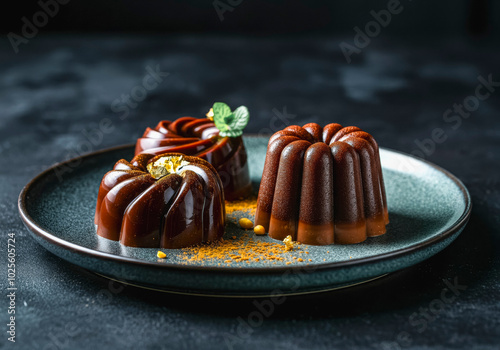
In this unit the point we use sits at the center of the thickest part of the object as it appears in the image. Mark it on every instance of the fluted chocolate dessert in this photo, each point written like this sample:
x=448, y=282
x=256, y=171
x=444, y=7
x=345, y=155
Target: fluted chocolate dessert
x=200, y=138
x=322, y=185
x=165, y=201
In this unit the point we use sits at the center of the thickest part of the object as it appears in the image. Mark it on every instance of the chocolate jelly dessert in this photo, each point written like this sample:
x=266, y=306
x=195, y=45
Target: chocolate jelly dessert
x=166, y=201
x=200, y=138
x=322, y=185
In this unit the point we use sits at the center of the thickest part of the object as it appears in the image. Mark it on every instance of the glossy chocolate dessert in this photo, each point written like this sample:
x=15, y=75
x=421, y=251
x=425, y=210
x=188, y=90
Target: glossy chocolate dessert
x=322, y=186
x=166, y=201
x=200, y=138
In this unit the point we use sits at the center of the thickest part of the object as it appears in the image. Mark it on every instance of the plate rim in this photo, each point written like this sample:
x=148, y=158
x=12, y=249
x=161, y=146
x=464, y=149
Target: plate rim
x=75, y=248
x=218, y=294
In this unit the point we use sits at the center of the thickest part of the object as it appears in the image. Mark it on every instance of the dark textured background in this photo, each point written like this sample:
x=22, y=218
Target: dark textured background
x=422, y=18
x=61, y=85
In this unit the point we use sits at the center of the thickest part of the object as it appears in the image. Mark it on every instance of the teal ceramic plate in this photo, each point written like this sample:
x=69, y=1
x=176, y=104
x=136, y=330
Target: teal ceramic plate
x=428, y=208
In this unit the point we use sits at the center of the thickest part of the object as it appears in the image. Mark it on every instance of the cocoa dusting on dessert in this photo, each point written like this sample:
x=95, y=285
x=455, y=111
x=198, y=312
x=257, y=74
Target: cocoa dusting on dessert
x=243, y=249
x=246, y=206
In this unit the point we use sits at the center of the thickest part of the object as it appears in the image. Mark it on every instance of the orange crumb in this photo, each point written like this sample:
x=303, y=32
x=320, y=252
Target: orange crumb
x=246, y=223
x=242, y=249
x=259, y=230
x=288, y=243
x=239, y=249
x=248, y=206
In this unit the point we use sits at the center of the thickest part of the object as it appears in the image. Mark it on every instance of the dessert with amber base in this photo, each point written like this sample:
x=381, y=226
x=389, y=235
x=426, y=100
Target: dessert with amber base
x=322, y=185
x=165, y=201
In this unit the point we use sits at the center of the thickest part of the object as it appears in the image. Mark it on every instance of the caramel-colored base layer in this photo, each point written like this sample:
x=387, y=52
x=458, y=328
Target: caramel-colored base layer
x=350, y=233
x=375, y=226
x=280, y=229
x=322, y=234
x=262, y=218
x=315, y=234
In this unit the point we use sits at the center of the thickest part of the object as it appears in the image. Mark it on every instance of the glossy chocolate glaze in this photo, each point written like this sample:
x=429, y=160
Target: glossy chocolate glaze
x=183, y=208
x=322, y=185
x=200, y=138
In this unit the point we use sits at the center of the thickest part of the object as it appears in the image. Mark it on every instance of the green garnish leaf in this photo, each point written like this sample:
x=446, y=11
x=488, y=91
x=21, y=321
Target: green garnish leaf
x=229, y=123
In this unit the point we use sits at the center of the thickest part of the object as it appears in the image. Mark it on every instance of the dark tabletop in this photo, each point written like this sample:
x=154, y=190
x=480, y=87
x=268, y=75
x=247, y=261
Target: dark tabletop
x=58, y=89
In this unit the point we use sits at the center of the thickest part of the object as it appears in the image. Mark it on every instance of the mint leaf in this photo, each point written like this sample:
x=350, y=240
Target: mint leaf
x=241, y=118
x=221, y=112
x=230, y=124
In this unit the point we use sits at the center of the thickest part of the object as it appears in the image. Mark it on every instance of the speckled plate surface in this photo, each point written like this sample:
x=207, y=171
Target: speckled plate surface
x=428, y=208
